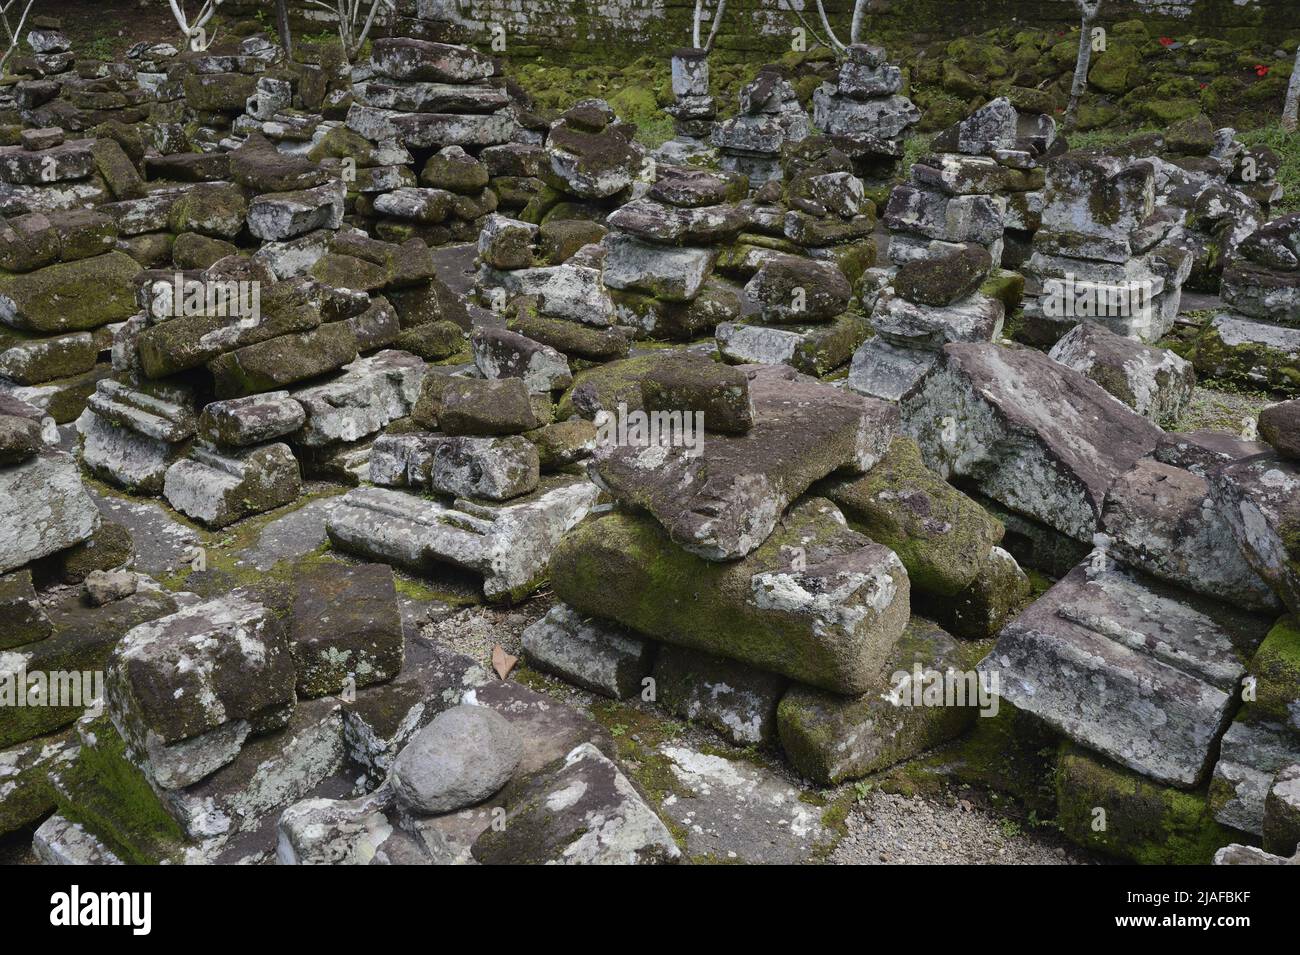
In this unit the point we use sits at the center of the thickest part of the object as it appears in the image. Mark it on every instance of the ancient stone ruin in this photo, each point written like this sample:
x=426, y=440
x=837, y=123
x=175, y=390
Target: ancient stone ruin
x=395, y=469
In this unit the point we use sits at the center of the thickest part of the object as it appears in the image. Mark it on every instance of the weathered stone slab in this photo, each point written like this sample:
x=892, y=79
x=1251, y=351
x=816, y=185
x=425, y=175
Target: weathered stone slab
x=510, y=546
x=1260, y=498
x=217, y=488
x=1039, y=437
x=977, y=318
x=1154, y=382
x=264, y=777
x=827, y=616
x=736, y=700
x=277, y=362
x=45, y=506
x=587, y=812
x=70, y=296
x=371, y=392
x=1251, y=755
x=500, y=353
x=241, y=422
x=1165, y=521
x=829, y=738
x=124, y=457
x=941, y=535
x=1255, y=354
x=491, y=469
x=671, y=274
x=276, y=216
x=186, y=690
x=599, y=656
x=724, y=502
x=1143, y=675
x=889, y=372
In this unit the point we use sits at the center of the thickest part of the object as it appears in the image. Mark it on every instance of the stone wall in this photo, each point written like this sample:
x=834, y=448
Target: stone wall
x=604, y=28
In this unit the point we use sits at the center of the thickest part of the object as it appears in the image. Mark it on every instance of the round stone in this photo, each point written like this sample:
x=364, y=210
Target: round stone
x=461, y=758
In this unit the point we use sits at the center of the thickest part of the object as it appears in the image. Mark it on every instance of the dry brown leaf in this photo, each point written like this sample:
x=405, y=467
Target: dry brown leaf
x=502, y=662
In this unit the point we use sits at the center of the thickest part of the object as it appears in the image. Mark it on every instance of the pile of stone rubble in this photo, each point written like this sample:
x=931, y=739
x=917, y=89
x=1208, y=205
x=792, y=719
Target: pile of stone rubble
x=733, y=468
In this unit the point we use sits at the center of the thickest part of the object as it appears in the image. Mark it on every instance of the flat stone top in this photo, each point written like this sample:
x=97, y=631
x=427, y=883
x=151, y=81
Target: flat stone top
x=1197, y=637
x=1083, y=426
x=723, y=503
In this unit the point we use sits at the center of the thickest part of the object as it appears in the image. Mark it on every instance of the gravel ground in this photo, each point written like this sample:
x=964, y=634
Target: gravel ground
x=890, y=829
x=474, y=630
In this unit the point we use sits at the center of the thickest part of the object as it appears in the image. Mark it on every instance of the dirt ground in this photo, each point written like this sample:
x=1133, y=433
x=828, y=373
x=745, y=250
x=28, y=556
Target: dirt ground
x=106, y=29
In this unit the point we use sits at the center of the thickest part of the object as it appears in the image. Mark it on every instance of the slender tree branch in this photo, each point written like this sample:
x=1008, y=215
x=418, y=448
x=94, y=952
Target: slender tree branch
x=717, y=22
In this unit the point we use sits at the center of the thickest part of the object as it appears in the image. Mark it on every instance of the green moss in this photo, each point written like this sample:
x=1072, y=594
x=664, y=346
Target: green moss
x=1276, y=668
x=941, y=535
x=625, y=568
x=103, y=791
x=1143, y=821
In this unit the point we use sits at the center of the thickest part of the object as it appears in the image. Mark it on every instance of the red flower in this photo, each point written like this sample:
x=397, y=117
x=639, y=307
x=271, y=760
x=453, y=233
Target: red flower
x=1166, y=41
x=1204, y=85
x=1261, y=69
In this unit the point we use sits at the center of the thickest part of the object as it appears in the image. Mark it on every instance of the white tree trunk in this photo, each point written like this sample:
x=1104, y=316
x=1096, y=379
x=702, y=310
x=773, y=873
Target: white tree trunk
x=717, y=22
x=1291, y=109
x=1090, y=9
x=859, y=12
x=830, y=33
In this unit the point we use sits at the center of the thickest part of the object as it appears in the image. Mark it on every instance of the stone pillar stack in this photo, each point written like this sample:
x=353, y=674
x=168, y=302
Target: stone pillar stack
x=770, y=115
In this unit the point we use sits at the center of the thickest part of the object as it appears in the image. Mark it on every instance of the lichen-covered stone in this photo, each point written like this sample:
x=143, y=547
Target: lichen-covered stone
x=1038, y=437
x=476, y=406
x=923, y=695
x=1165, y=521
x=45, y=506
x=736, y=700
x=218, y=488
x=1143, y=674
x=940, y=534
x=1251, y=754
x=599, y=656
x=584, y=812
x=816, y=601
x=272, y=364
x=1154, y=382
x=723, y=502
x=1260, y=498
x=187, y=689
x=1140, y=820
x=346, y=629
x=1282, y=812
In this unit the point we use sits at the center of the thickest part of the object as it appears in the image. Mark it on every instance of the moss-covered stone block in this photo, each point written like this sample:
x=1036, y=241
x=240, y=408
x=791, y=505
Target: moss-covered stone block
x=1276, y=669
x=830, y=738
x=70, y=296
x=940, y=534
x=110, y=546
x=104, y=791
x=624, y=567
x=1120, y=813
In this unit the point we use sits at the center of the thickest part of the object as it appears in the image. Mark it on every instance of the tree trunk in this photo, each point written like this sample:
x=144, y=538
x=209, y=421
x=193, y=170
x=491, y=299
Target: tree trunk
x=1080, y=83
x=1290, y=119
x=282, y=25
x=855, y=28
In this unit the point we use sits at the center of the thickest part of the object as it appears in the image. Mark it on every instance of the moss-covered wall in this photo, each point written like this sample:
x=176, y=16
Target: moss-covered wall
x=606, y=29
